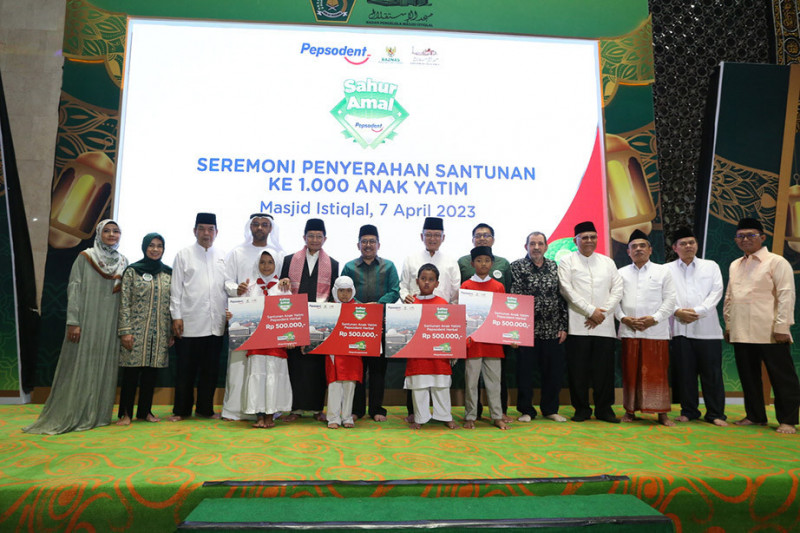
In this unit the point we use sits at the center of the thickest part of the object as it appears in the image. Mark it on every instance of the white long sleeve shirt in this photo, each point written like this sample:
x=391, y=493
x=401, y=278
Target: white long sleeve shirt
x=240, y=264
x=698, y=286
x=197, y=295
x=449, y=275
x=646, y=291
x=588, y=283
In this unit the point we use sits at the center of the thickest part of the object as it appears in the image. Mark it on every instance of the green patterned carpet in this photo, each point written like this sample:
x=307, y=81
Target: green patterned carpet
x=150, y=476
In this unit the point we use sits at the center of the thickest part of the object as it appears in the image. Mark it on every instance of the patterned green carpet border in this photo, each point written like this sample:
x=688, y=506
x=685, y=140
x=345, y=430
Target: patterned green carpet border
x=149, y=477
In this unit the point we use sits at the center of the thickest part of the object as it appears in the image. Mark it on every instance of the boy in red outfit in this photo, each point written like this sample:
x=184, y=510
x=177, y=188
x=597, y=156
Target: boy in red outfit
x=429, y=378
x=483, y=358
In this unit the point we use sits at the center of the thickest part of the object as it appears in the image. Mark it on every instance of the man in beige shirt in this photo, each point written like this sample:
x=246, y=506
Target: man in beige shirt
x=759, y=310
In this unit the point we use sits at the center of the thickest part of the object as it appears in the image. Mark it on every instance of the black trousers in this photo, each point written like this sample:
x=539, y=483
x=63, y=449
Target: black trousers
x=143, y=377
x=698, y=357
x=548, y=356
x=198, y=361
x=780, y=368
x=374, y=378
x=307, y=375
x=590, y=363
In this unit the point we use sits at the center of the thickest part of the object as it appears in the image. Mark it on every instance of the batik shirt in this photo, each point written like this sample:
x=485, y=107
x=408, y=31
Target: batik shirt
x=550, y=308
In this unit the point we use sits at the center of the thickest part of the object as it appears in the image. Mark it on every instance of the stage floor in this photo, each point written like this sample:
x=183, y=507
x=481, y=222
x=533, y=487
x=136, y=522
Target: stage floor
x=150, y=476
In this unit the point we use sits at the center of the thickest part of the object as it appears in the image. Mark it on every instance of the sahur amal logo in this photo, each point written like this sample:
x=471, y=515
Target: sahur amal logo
x=369, y=111
x=511, y=302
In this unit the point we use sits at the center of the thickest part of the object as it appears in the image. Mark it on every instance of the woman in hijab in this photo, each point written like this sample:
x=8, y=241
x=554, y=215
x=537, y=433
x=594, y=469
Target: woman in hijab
x=145, y=329
x=85, y=383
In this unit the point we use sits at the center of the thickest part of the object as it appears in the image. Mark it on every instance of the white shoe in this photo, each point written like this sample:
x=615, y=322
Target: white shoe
x=556, y=418
x=524, y=418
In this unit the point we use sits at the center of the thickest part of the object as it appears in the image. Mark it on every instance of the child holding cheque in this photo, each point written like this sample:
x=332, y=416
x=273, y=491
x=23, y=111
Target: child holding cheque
x=267, y=389
x=425, y=377
x=483, y=358
x=342, y=371
x=264, y=276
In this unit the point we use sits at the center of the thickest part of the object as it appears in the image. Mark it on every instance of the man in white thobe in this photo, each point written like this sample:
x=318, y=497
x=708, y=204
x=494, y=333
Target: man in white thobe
x=591, y=285
x=648, y=300
x=197, y=305
x=696, y=345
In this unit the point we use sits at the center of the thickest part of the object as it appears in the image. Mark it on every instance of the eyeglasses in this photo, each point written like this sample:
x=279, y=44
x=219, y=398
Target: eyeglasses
x=482, y=236
x=743, y=236
x=367, y=242
x=431, y=235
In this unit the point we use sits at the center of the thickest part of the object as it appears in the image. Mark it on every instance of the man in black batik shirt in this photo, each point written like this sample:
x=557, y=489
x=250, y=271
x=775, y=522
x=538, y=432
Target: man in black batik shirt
x=537, y=276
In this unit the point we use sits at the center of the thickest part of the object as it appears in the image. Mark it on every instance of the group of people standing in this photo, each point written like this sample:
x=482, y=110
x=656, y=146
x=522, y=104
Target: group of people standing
x=670, y=309
x=129, y=315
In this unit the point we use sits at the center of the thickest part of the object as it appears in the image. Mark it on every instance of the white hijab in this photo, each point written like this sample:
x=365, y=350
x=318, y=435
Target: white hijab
x=253, y=288
x=257, y=271
x=343, y=282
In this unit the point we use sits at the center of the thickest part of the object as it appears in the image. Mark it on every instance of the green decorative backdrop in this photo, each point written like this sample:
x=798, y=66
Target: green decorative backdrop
x=746, y=168
x=94, y=51
x=9, y=363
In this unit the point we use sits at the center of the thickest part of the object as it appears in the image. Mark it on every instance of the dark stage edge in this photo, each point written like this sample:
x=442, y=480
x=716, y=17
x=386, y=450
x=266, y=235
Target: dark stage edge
x=601, y=513
x=603, y=478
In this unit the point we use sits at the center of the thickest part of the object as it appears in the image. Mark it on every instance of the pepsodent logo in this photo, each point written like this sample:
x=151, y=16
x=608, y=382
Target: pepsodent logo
x=361, y=346
x=369, y=111
x=444, y=348
x=512, y=335
x=354, y=56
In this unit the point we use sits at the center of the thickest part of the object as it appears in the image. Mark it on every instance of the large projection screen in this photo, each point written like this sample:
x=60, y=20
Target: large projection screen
x=357, y=126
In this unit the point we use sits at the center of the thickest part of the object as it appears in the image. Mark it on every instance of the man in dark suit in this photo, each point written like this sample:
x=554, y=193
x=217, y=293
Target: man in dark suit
x=309, y=271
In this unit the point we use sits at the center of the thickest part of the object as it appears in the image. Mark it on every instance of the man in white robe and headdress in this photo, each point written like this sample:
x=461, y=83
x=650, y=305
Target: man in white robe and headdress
x=261, y=233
